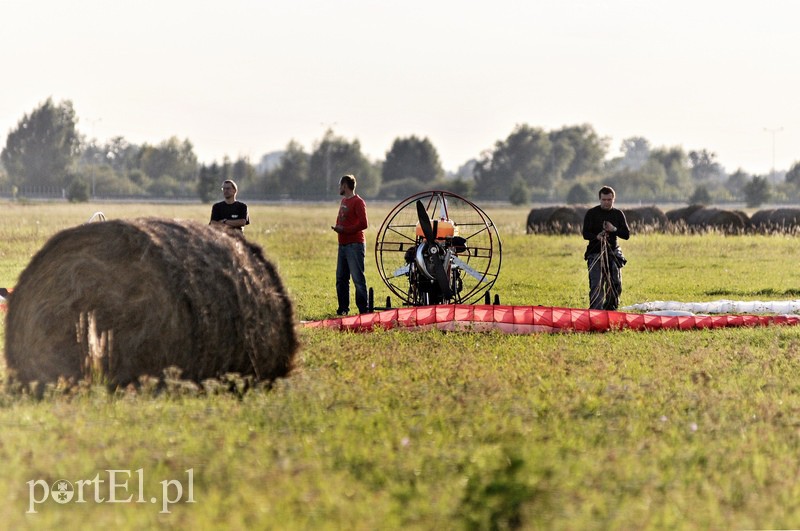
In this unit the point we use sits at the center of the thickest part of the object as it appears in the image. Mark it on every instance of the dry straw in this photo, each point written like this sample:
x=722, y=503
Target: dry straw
x=134, y=297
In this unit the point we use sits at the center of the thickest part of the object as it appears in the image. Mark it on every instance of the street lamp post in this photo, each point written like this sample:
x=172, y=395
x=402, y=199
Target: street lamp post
x=774, y=132
x=92, y=124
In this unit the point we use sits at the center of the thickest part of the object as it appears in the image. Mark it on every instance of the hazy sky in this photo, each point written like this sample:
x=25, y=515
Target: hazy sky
x=243, y=78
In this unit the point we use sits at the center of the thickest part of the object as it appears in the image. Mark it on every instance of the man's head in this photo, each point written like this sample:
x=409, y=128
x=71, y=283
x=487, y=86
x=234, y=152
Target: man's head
x=229, y=190
x=347, y=184
x=607, y=196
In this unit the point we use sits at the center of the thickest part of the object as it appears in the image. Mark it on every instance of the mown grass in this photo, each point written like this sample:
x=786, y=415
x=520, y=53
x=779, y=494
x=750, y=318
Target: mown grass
x=426, y=430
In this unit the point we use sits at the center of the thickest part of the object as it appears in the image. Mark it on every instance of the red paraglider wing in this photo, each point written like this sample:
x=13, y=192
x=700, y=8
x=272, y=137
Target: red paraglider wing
x=534, y=319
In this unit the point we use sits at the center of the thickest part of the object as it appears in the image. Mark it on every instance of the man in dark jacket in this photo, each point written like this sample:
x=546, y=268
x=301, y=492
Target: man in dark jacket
x=602, y=225
x=230, y=213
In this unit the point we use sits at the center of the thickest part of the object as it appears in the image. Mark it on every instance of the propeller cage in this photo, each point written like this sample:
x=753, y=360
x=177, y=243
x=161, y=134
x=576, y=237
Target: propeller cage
x=436, y=247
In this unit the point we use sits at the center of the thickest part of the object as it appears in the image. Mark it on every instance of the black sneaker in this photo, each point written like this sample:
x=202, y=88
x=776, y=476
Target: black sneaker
x=342, y=312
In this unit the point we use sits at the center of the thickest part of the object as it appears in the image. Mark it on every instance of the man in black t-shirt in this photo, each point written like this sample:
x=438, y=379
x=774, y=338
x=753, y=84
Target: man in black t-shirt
x=230, y=213
x=602, y=225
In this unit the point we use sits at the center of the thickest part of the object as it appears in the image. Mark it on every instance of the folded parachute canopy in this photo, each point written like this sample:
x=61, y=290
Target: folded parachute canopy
x=533, y=319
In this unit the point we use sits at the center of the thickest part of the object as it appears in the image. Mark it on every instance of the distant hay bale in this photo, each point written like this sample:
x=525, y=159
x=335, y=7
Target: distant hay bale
x=555, y=220
x=134, y=297
x=715, y=218
x=538, y=218
x=646, y=217
x=762, y=219
x=566, y=220
x=744, y=217
x=776, y=220
x=682, y=214
x=787, y=218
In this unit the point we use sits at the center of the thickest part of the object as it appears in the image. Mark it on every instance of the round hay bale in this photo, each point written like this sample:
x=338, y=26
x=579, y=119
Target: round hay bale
x=565, y=220
x=682, y=214
x=744, y=217
x=555, y=219
x=538, y=219
x=646, y=216
x=786, y=218
x=715, y=218
x=762, y=219
x=128, y=298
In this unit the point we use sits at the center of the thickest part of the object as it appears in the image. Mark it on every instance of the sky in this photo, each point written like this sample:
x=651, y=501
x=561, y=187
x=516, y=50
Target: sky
x=243, y=78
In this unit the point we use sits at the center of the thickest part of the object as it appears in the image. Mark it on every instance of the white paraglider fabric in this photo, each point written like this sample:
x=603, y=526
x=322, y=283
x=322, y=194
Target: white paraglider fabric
x=721, y=306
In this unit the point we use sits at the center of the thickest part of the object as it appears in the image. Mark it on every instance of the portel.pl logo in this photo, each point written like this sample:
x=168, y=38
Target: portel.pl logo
x=118, y=486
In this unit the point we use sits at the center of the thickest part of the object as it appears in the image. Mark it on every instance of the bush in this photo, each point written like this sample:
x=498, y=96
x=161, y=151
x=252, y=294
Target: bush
x=78, y=190
x=757, y=192
x=700, y=196
x=402, y=188
x=520, y=194
x=578, y=195
x=464, y=188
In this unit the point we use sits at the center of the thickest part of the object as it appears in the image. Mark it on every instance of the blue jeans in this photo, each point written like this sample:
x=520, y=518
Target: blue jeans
x=351, y=263
x=609, y=288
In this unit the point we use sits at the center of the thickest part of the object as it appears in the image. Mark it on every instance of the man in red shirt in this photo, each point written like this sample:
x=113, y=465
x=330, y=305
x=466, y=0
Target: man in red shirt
x=350, y=226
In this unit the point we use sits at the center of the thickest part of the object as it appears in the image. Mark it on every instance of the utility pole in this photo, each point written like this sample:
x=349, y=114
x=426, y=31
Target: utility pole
x=328, y=127
x=774, y=132
x=92, y=123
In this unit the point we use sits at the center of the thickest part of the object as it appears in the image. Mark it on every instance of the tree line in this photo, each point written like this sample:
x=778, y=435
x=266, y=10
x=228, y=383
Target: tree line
x=45, y=152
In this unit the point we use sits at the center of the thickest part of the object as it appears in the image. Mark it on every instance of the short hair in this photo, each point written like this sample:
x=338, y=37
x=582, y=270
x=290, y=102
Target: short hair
x=607, y=190
x=228, y=181
x=349, y=180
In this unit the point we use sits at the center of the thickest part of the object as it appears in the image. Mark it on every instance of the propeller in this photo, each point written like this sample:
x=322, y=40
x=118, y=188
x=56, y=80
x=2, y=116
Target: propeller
x=425, y=223
x=400, y=271
x=461, y=264
x=434, y=250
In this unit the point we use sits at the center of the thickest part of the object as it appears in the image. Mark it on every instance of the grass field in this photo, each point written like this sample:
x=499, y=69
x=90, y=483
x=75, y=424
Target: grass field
x=422, y=430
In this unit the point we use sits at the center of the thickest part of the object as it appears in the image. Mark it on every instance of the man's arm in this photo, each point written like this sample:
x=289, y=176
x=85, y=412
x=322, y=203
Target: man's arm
x=242, y=220
x=622, y=228
x=236, y=223
x=589, y=229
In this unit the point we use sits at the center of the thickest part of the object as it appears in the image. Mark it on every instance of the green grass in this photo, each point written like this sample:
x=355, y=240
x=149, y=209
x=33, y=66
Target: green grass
x=398, y=429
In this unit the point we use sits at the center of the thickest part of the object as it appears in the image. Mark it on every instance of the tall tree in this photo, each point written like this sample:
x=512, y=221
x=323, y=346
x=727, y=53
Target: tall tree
x=578, y=150
x=524, y=155
x=43, y=147
x=117, y=153
x=646, y=183
x=208, y=182
x=579, y=194
x=675, y=164
x=412, y=158
x=737, y=181
x=171, y=158
x=243, y=173
x=290, y=177
x=757, y=192
x=793, y=175
x=333, y=157
x=705, y=166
